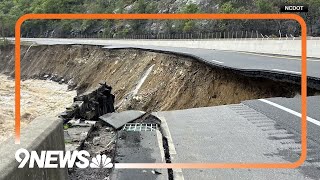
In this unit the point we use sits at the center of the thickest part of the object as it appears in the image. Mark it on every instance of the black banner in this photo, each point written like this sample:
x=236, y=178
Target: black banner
x=294, y=8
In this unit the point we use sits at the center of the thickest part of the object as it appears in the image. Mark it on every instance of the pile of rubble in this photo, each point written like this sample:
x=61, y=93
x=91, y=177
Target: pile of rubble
x=92, y=124
x=92, y=105
x=81, y=117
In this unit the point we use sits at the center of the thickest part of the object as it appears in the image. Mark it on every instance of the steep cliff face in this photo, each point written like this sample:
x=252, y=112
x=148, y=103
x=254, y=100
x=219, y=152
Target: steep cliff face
x=141, y=80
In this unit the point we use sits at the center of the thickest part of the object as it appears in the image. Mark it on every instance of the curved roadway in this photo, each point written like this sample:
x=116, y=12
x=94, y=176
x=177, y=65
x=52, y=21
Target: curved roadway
x=283, y=114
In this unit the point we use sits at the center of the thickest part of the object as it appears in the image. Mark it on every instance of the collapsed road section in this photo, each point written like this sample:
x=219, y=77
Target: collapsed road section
x=126, y=137
x=174, y=82
x=119, y=123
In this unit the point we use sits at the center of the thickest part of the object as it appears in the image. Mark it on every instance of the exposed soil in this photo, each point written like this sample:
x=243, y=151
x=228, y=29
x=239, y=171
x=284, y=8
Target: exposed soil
x=141, y=80
x=174, y=82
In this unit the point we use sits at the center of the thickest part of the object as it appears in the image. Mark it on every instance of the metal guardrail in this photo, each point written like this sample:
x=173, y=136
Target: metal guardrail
x=140, y=127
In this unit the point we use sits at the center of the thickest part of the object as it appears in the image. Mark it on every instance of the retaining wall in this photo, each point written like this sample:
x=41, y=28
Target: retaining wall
x=43, y=133
x=281, y=47
x=272, y=46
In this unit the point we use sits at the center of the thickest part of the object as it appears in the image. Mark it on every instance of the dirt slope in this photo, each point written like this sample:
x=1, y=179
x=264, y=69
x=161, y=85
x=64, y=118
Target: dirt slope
x=173, y=82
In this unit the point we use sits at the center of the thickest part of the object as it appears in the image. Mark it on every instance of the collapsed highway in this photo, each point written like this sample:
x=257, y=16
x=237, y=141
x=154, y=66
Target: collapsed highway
x=203, y=112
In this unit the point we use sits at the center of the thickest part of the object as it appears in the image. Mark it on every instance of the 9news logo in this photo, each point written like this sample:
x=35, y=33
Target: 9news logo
x=55, y=159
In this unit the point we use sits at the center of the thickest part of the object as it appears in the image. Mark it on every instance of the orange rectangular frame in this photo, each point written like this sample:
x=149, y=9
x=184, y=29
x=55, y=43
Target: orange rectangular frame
x=172, y=17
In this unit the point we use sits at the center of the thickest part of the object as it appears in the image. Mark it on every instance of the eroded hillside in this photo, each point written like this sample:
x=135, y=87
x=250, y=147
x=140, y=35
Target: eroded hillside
x=142, y=80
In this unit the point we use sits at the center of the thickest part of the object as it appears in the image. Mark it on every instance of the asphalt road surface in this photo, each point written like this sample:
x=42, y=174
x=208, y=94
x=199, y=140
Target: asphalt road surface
x=238, y=133
x=265, y=130
x=243, y=60
x=280, y=109
x=233, y=59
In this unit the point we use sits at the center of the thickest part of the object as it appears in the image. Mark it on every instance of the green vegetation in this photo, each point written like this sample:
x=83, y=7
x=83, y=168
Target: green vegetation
x=264, y=6
x=67, y=141
x=66, y=126
x=11, y=10
x=4, y=42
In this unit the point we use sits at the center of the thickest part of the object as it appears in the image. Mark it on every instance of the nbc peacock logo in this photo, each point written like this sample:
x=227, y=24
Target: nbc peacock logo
x=55, y=159
x=101, y=161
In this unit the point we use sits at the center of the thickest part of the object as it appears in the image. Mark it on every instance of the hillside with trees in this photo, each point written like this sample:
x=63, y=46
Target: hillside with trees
x=11, y=10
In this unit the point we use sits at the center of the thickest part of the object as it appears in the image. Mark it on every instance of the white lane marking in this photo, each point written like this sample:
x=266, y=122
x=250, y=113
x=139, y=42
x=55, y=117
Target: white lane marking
x=160, y=144
x=272, y=56
x=217, y=61
x=281, y=70
x=167, y=134
x=177, y=173
x=314, y=121
x=313, y=60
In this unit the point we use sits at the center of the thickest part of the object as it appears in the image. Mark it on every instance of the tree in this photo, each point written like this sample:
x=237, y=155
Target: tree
x=190, y=9
x=264, y=6
x=227, y=8
x=188, y=26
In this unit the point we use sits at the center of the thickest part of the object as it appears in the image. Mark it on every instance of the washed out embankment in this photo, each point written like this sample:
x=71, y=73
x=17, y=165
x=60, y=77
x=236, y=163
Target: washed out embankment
x=142, y=80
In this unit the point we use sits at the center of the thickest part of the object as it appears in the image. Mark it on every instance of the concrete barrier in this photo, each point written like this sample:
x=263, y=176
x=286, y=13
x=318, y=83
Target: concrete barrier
x=288, y=47
x=43, y=133
x=279, y=47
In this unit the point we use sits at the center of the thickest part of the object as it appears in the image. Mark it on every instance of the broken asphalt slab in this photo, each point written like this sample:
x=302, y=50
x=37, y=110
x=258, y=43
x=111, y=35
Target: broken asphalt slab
x=139, y=147
x=75, y=135
x=117, y=120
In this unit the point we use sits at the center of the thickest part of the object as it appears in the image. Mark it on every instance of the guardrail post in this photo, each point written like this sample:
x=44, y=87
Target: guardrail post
x=279, y=34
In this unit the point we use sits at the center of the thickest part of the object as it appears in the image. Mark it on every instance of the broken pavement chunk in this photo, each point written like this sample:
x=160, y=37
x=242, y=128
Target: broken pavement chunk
x=76, y=135
x=139, y=147
x=117, y=120
x=96, y=140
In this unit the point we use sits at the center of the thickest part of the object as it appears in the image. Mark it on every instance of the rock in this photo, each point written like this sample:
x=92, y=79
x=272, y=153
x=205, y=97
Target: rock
x=96, y=141
x=83, y=136
x=61, y=81
x=86, y=143
x=74, y=121
x=90, y=122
